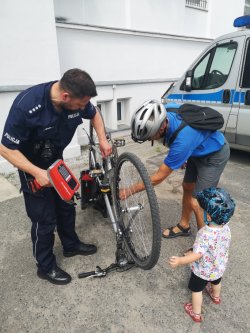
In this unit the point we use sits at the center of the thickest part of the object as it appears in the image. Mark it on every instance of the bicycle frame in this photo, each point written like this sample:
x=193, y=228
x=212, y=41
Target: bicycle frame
x=135, y=220
x=105, y=184
x=102, y=175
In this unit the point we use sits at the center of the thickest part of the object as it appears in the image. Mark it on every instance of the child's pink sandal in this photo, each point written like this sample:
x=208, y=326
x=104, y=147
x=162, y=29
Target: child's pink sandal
x=189, y=310
x=209, y=290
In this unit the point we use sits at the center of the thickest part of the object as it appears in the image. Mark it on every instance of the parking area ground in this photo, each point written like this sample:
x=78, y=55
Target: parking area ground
x=130, y=302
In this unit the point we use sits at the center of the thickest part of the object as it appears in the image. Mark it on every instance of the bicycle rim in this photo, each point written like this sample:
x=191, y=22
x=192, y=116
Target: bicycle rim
x=138, y=215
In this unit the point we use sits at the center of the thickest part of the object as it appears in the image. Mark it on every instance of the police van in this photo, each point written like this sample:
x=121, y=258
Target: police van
x=220, y=78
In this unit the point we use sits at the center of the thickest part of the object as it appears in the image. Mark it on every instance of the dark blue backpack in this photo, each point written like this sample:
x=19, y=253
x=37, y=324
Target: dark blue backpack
x=203, y=118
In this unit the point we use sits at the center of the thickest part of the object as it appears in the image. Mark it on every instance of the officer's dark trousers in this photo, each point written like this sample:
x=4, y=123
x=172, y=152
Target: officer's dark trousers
x=48, y=213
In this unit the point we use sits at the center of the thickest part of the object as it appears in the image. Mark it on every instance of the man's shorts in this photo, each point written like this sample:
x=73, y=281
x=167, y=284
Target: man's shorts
x=197, y=284
x=205, y=171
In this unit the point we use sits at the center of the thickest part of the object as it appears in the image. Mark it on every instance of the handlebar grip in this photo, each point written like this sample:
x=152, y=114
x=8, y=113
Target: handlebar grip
x=85, y=274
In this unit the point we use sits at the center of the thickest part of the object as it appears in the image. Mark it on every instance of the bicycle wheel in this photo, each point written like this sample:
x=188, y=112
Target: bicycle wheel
x=138, y=215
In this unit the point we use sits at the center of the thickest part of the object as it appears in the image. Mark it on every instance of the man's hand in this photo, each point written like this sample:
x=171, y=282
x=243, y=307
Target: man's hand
x=42, y=178
x=174, y=261
x=124, y=193
x=105, y=148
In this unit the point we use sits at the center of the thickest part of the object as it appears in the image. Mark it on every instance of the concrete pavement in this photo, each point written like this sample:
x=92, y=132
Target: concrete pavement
x=131, y=302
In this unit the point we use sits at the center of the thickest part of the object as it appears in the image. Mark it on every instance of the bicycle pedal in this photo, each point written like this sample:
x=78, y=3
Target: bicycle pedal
x=121, y=258
x=95, y=173
x=122, y=261
x=119, y=142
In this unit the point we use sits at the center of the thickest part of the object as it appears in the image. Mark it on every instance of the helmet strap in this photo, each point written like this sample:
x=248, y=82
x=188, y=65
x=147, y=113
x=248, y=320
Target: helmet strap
x=207, y=222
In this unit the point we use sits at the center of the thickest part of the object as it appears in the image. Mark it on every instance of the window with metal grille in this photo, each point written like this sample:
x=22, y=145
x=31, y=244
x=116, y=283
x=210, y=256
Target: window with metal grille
x=201, y=4
x=120, y=112
x=247, y=7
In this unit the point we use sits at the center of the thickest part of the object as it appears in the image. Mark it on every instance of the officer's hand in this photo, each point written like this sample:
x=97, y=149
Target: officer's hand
x=42, y=178
x=105, y=148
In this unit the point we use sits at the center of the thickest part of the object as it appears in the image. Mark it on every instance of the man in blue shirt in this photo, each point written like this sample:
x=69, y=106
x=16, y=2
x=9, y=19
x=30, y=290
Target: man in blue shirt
x=204, y=154
x=40, y=124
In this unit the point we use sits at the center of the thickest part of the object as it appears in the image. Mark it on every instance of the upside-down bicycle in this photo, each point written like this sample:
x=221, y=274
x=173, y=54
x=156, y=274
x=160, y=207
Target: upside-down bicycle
x=135, y=220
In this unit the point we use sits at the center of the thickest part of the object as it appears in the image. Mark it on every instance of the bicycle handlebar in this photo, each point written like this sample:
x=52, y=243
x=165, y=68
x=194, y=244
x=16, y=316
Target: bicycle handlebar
x=86, y=274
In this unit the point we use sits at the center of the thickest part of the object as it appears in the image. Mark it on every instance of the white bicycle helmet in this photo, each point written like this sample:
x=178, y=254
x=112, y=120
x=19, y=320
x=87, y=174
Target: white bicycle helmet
x=147, y=120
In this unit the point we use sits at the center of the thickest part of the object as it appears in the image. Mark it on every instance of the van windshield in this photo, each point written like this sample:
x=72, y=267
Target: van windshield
x=213, y=70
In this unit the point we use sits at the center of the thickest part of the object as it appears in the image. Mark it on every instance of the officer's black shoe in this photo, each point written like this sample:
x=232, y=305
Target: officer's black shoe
x=56, y=276
x=82, y=249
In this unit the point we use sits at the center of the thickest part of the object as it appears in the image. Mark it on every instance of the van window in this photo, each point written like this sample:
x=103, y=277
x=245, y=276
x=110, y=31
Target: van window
x=246, y=71
x=213, y=70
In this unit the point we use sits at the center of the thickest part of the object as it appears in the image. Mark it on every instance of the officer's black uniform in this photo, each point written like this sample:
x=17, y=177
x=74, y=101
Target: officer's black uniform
x=41, y=133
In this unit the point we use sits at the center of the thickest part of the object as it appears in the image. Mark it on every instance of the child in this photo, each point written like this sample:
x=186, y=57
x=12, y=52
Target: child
x=210, y=250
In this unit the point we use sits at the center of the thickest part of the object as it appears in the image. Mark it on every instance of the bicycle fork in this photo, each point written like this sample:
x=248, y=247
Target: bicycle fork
x=110, y=212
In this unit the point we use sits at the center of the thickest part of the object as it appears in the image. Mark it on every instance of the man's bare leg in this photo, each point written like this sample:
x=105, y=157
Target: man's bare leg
x=189, y=205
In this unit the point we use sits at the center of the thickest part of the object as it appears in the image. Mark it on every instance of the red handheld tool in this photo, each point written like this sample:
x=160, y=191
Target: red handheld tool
x=62, y=179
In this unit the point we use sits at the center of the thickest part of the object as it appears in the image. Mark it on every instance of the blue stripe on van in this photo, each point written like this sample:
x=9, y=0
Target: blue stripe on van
x=236, y=97
x=212, y=97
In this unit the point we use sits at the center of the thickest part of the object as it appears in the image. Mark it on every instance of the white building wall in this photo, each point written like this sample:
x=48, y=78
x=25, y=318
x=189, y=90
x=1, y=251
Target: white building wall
x=126, y=65
x=165, y=16
x=133, y=49
x=28, y=49
x=28, y=44
x=115, y=55
x=222, y=14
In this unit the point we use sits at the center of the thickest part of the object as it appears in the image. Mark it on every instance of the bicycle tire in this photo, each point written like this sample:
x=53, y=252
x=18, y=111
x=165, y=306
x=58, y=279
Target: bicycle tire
x=142, y=232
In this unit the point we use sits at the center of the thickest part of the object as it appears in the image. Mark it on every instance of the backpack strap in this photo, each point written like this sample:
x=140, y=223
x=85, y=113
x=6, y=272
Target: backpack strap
x=181, y=126
x=174, y=135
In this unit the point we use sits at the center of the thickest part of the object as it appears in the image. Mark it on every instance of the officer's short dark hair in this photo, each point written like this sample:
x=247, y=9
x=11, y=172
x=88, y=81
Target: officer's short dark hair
x=78, y=83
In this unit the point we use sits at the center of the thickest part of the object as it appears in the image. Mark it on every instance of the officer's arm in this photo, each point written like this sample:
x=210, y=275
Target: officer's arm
x=98, y=125
x=16, y=158
x=162, y=173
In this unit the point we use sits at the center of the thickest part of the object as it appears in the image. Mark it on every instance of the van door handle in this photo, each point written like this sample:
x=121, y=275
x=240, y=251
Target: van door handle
x=226, y=96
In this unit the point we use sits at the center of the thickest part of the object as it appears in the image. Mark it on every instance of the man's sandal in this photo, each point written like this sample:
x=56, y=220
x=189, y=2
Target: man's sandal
x=195, y=316
x=209, y=290
x=183, y=232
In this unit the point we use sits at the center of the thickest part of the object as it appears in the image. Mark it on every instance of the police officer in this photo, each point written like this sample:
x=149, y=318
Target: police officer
x=40, y=124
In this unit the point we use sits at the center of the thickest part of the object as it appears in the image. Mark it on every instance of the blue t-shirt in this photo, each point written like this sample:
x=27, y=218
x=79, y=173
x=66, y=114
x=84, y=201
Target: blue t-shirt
x=33, y=119
x=190, y=142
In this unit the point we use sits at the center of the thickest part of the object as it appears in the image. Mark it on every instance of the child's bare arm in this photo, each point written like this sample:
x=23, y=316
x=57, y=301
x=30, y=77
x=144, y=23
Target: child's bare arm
x=175, y=261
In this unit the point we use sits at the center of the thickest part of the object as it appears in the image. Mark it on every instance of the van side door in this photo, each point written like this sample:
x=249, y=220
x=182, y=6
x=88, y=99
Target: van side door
x=213, y=81
x=243, y=127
